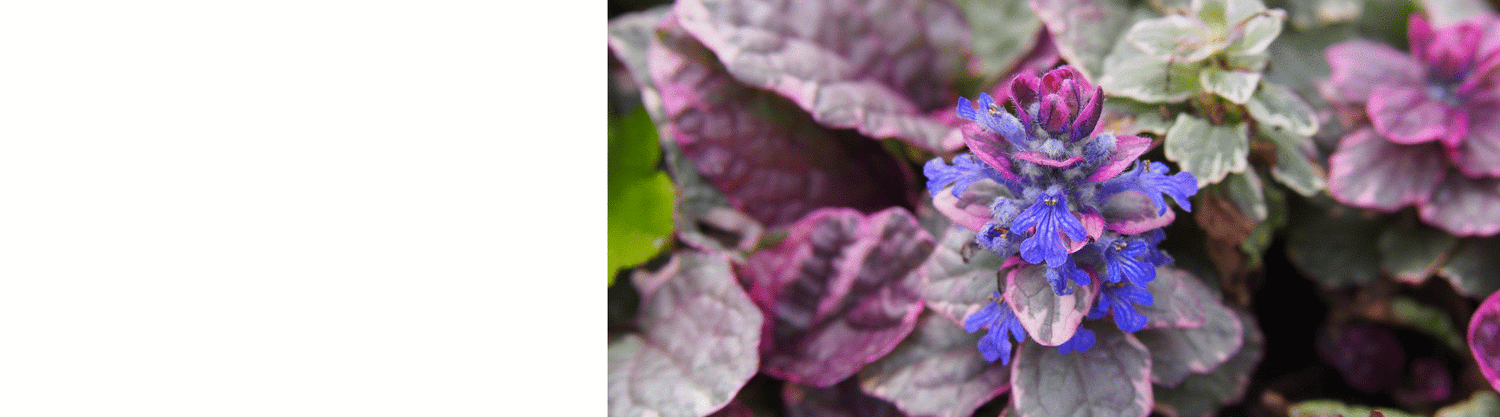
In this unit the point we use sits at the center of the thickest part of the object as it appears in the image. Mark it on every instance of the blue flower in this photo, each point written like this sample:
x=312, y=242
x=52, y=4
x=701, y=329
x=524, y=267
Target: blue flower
x=1003, y=326
x=1051, y=218
x=1128, y=258
x=1120, y=300
x=1151, y=179
x=1056, y=273
x=994, y=118
x=1080, y=342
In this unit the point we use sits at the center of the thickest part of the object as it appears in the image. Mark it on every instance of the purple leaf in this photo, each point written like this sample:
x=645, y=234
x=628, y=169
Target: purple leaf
x=879, y=67
x=1464, y=206
x=1479, y=154
x=1111, y=379
x=1367, y=355
x=839, y=292
x=1049, y=318
x=1405, y=115
x=1084, y=30
x=1127, y=149
x=936, y=372
x=1356, y=67
x=1484, y=338
x=734, y=409
x=959, y=280
x=1179, y=300
x=1131, y=212
x=697, y=344
x=842, y=400
x=1175, y=353
x=1367, y=171
x=767, y=156
x=1202, y=395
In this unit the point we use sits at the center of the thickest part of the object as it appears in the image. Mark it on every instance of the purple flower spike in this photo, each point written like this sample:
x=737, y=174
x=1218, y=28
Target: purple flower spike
x=1434, y=114
x=1073, y=211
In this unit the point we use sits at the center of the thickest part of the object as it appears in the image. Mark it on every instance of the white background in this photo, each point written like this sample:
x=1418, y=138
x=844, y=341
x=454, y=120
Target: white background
x=302, y=208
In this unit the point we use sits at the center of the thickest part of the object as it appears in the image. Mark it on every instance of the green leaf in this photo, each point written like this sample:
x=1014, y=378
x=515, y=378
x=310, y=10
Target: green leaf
x=1003, y=32
x=1202, y=395
x=1247, y=193
x=1312, y=13
x=1264, y=232
x=1174, y=37
x=1324, y=408
x=1257, y=33
x=640, y=195
x=1278, y=106
x=1447, y=12
x=1336, y=249
x=1481, y=404
x=1235, y=86
x=1428, y=319
x=1134, y=74
x=1294, y=168
x=1209, y=151
x=1411, y=252
x=1474, y=268
x=1128, y=117
x=1111, y=379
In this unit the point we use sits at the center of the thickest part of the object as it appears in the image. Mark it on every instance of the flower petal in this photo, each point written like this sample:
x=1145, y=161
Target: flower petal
x=1464, y=206
x=1356, y=67
x=1127, y=149
x=1406, y=115
x=1367, y=171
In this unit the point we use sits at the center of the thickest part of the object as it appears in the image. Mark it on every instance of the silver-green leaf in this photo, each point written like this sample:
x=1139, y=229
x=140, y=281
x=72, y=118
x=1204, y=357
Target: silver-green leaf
x=1209, y=151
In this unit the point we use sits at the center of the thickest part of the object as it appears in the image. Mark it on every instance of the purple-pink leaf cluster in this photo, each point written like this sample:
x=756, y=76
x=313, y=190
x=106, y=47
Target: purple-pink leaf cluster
x=1433, y=139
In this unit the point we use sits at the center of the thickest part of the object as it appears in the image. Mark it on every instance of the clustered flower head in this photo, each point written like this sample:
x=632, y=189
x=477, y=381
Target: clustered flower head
x=1075, y=202
x=1434, y=135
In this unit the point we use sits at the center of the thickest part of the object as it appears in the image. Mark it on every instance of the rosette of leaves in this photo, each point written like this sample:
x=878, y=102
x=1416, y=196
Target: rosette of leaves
x=1195, y=77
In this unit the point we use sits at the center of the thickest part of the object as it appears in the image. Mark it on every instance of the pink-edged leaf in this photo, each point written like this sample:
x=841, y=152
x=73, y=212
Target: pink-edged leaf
x=1367, y=171
x=1042, y=159
x=1176, y=353
x=878, y=67
x=960, y=276
x=697, y=346
x=1049, y=318
x=1179, y=300
x=1111, y=379
x=1131, y=212
x=1405, y=115
x=839, y=292
x=1479, y=154
x=1464, y=206
x=1093, y=227
x=989, y=147
x=842, y=400
x=1356, y=67
x=936, y=372
x=972, y=208
x=769, y=158
x=1202, y=395
x=1084, y=30
x=1484, y=338
x=1127, y=149
x=1365, y=354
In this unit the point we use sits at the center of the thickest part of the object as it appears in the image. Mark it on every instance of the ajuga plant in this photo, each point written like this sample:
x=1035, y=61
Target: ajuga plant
x=1074, y=218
